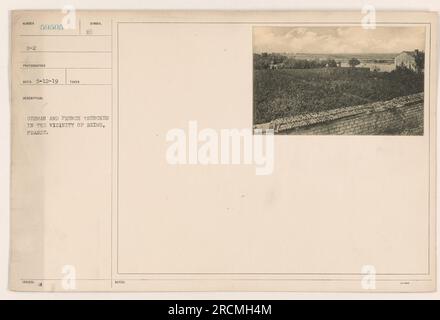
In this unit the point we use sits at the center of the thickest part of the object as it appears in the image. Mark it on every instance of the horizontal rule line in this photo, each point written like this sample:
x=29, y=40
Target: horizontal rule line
x=66, y=51
x=238, y=279
x=65, y=35
x=293, y=23
x=68, y=84
x=272, y=273
x=62, y=68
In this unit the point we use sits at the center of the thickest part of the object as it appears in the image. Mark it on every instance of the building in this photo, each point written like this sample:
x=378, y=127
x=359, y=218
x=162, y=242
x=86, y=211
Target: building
x=407, y=59
x=274, y=66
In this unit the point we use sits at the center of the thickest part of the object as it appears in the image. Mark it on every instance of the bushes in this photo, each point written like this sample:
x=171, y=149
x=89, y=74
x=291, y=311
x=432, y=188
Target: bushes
x=266, y=60
x=289, y=92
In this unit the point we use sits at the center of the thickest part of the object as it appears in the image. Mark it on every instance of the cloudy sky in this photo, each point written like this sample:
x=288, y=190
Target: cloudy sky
x=338, y=39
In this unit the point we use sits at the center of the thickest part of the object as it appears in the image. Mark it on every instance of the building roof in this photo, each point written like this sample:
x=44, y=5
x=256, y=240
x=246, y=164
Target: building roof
x=411, y=53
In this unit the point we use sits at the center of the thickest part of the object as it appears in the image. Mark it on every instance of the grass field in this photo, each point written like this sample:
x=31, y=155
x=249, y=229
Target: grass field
x=289, y=92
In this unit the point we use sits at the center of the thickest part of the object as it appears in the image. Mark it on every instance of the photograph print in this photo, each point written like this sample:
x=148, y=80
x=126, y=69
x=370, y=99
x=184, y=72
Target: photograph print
x=339, y=80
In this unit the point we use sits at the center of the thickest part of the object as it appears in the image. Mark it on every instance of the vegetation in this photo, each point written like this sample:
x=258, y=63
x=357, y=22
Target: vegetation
x=289, y=92
x=269, y=60
x=420, y=61
x=353, y=62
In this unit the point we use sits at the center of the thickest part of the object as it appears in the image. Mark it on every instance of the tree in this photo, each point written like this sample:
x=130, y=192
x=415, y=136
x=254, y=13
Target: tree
x=420, y=60
x=353, y=62
x=332, y=63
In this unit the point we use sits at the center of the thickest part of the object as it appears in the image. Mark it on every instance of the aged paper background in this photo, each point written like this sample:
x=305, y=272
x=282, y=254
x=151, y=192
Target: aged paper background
x=106, y=202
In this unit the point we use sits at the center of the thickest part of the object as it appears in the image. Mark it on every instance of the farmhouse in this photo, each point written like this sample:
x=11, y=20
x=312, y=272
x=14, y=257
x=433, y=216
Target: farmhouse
x=406, y=59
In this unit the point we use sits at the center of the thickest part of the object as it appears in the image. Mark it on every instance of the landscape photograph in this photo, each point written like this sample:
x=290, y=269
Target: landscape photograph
x=339, y=80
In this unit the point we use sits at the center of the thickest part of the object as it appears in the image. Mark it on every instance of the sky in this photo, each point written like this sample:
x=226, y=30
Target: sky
x=338, y=39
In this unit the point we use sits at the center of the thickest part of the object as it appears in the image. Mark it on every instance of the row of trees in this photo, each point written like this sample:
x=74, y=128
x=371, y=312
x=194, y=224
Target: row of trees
x=279, y=61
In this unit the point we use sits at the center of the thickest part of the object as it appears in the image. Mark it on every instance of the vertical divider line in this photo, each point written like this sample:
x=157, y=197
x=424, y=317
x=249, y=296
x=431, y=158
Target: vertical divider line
x=111, y=159
x=117, y=148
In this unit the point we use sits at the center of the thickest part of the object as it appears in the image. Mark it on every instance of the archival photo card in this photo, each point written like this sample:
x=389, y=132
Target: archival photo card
x=143, y=156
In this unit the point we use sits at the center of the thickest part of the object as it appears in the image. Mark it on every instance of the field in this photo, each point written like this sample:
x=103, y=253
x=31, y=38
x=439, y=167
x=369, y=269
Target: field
x=289, y=92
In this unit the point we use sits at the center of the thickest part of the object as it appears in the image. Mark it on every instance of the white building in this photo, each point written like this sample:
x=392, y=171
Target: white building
x=406, y=59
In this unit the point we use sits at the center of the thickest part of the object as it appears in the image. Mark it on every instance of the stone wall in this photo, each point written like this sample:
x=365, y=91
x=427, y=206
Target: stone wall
x=399, y=116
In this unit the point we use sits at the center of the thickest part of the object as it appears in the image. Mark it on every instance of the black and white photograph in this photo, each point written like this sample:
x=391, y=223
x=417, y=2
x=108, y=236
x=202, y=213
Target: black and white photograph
x=341, y=80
